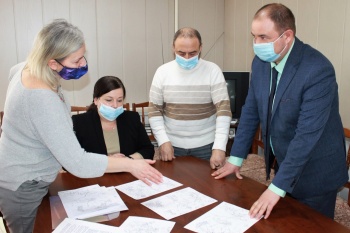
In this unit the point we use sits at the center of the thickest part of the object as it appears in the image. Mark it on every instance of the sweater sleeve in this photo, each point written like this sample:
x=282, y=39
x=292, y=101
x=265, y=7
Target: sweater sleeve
x=50, y=120
x=155, y=114
x=223, y=112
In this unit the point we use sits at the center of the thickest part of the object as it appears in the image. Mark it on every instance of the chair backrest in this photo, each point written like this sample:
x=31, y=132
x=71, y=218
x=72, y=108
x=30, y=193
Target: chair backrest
x=1, y=116
x=126, y=106
x=347, y=135
x=257, y=141
x=143, y=107
x=78, y=109
x=347, y=185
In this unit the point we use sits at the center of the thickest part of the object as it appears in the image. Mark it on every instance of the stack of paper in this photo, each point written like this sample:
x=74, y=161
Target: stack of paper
x=91, y=201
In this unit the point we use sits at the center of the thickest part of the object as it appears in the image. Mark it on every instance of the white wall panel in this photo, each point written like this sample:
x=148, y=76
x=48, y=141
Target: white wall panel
x=28, y=22
x=207, y=17
x=84, y=16
x=307, y=20
x=7, y=46
x=109, y=38
x=157, y=39
x=134, y=49
x=219, y=35
x=186, y=13
x=331, y=32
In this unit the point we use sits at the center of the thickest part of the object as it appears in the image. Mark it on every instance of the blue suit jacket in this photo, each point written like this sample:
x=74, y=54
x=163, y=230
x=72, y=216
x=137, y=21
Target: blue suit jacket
x=306, y=129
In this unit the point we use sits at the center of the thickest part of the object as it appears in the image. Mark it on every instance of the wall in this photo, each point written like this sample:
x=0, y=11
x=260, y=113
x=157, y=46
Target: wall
x=323, y=24
x=126, y=38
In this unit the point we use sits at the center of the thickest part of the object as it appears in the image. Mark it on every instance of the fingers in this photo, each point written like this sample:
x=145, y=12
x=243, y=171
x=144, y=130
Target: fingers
x=150, y=161
x=264, y=204
x=152, y=176
x=258, y=209
x=268, y=211
x=220, y=173
x=238, y=175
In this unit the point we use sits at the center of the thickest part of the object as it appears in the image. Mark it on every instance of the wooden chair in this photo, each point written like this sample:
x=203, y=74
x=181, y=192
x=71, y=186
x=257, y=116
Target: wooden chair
x=78, y=109
x=257, y=142
x=342, y=207
x=126, y=106
x=1, y=116
x=143, y=107
x=347, y=185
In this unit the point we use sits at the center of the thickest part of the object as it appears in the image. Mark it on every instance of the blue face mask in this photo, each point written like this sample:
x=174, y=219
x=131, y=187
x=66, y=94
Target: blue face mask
x=110, y=113
x=266, y=51
x=73, y=73
x=187, y=64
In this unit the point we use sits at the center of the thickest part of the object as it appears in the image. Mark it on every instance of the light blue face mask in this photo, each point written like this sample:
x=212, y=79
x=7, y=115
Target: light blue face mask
x=187, y=64
x=266, y=51
x=110, y=113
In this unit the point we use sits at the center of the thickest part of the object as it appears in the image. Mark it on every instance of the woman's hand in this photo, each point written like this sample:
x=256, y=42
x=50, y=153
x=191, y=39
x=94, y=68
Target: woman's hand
x=143, y=171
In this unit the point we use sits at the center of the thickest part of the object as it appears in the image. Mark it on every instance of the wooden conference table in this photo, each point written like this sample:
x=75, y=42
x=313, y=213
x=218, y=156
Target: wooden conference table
x=287, y=216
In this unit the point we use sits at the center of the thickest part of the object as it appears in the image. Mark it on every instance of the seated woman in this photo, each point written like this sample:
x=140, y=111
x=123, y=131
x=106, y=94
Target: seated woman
x=107, y=129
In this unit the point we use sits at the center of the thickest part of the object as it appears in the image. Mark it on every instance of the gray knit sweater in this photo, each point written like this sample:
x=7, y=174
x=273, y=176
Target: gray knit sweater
x=37, y=138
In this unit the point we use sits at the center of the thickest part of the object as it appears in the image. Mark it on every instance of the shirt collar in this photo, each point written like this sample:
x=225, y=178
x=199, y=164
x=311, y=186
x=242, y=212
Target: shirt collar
x=280, y=66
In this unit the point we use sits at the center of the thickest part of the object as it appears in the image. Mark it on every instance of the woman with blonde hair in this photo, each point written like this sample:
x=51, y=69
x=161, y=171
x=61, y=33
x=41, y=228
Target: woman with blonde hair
x=38, y=138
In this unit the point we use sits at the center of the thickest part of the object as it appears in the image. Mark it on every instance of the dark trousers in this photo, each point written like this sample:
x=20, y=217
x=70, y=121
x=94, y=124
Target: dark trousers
x=203, y=152
x=325, y=204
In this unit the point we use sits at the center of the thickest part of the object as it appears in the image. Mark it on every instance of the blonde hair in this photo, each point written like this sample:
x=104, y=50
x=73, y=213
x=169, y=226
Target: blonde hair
x=56, y=40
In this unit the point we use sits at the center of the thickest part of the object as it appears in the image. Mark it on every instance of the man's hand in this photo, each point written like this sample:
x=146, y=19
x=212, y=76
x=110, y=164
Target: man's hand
x=265, y=203
x=218, y=159
x=166, y=151
x=227, y=169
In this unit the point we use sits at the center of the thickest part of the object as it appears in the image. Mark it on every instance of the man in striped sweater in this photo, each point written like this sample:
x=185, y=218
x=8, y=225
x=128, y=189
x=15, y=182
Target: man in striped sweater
x=189, y=105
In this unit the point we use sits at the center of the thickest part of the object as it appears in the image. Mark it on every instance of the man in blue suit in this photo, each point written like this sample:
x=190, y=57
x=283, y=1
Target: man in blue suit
x=303, y=130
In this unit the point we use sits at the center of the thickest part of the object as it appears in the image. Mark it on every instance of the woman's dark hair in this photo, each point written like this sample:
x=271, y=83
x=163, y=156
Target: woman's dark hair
x=105, y=85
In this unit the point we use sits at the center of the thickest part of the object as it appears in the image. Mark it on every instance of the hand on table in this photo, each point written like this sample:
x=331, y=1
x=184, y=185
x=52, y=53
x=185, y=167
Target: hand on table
x=217, y=159
x=166, y=151
x=227, y=169
x=142, y=170
x=264, y=204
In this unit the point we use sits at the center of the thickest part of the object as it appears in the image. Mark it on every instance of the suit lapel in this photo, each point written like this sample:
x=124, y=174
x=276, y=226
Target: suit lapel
x=288, y=73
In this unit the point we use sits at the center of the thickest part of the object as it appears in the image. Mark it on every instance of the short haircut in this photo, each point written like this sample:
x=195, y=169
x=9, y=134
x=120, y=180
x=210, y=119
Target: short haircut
x=105, y=85
x=188, y=32
x=281, y=15
x=57, y=41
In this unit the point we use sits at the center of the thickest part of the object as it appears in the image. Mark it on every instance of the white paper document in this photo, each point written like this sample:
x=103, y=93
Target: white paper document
x=91, y=201
x=2, y=226
x=138, y=189
x=79, y=226
x=146, y=225
x=223, y=218
x=178, y=203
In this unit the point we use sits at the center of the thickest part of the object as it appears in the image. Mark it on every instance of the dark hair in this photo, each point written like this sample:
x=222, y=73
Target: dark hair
x=188, y=32
x=281, y=15
x=105, y=85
